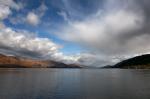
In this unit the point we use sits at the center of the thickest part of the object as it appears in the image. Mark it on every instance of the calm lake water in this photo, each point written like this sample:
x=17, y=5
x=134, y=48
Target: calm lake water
x=74, y=84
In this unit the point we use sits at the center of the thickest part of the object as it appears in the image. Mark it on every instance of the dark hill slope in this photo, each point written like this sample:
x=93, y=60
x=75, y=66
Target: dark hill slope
x=138, y=62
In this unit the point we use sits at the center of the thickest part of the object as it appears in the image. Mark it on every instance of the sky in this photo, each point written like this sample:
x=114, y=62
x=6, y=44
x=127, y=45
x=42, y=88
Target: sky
x=86, y=32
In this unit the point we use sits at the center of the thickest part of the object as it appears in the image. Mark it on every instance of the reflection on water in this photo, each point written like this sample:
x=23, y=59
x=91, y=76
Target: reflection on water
x=74, y=84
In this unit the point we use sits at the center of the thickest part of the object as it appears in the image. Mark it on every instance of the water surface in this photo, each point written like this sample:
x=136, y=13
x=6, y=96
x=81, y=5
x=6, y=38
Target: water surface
x=74, y=84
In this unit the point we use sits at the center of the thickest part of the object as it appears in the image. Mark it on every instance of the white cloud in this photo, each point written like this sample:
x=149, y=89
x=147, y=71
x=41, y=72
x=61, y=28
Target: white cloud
x=11, y=4
x=88, y=59
x=4, y=12
x=69, y=59
x=33, y=18
x=6, y=6
x=24, y=43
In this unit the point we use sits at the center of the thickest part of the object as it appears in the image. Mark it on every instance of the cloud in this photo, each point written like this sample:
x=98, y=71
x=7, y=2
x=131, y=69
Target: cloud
x=12, y=4
x=119, y=29
x=79, y=9
x=96, y=60
x=68, y=59
x=4, y=12
x=88, y=59
x=100, y=33
x=63, y=15
x=24, y=43
x=41, y=9
x=6, y=6
x=19, y=19
x=27, y=44
x=111, y=30
x=33, y=19
x=2, y=25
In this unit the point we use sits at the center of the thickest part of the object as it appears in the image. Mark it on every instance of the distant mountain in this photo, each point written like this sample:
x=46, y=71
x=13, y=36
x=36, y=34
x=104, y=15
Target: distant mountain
x=138, y=62
x=107, y=66
x=18, y=62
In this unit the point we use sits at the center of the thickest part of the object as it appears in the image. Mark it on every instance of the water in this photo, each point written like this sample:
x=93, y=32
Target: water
x=74, y=84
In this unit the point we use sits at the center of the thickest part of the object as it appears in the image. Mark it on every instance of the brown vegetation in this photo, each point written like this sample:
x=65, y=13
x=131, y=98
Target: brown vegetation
x=17, y=62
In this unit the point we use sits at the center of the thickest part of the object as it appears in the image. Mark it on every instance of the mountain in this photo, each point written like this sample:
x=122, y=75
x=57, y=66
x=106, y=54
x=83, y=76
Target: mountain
x=138, y=62
x=107, y=66
x=19, y=62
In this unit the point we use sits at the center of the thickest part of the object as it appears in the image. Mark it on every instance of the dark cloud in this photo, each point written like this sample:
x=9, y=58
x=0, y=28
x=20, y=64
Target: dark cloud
x=78, y=9
x=20, y=52
x=120, y=28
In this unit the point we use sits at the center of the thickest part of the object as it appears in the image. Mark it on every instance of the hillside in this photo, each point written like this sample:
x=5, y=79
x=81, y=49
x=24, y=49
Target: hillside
x=18, y=62
x=138, y=62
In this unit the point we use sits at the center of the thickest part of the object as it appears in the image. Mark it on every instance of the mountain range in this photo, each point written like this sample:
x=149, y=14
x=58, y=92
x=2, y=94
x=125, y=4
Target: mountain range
x=138, y=62
x=19, y=62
